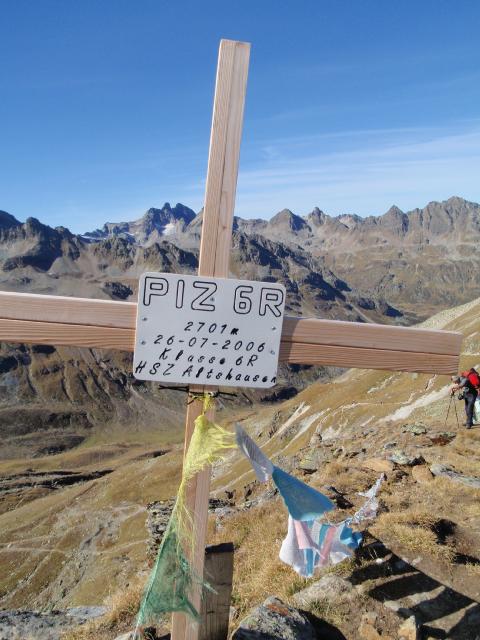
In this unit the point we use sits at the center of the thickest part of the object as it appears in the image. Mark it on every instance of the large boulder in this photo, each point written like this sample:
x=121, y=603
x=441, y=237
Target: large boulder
x=422, y=474
x=416, y=428
x=274, y=620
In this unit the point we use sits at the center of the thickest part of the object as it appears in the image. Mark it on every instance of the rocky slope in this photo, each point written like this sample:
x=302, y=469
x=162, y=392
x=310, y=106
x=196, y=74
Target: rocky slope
x=51, y=399
x=74, y=541
x=391, y=268
x=339, y=437
x=72, y=517
x=418, y=261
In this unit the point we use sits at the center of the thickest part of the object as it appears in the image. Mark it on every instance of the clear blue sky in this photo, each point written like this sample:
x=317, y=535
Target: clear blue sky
x=105, y=105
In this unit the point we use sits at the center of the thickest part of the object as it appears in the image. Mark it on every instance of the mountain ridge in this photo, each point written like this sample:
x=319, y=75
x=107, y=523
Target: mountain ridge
x=430, y=251
x=437, y=217
x=296, y=222
x=343, y=274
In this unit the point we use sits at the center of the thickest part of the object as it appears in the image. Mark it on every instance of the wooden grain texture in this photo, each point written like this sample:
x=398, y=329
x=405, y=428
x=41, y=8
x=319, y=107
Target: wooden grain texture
x=352, y=357
x=183, y=626
x=214, y=258
x=122, y=315
x=216, y=603
x=34, y=332
x=223, y=158
x=86, y=311
x=197, y=500
x=60, y=334
x=370, y=336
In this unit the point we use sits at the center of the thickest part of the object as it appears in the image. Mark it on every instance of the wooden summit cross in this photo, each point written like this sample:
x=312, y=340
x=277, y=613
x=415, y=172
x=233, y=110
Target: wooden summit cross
x=106, y=324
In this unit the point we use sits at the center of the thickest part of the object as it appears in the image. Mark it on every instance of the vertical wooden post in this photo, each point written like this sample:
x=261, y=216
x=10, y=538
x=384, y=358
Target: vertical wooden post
x=216, y=603
x=221, y=185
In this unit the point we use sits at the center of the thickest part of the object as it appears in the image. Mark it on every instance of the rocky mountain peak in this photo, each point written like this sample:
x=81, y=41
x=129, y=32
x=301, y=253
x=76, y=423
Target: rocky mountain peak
x=159, y=222
x=181, y=212
x=395, y=220
x=167, y=215
x=317, y=216
x=7, y=221
x=349, y=220
x=33, y=226
x=456, y=208
x=394, y=212
x=457, y=202
x=454, y=217
x=288, y=219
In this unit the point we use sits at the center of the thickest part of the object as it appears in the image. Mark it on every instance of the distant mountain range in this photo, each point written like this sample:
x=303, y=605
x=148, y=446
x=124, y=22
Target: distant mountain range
x=107, y=262
x=396, y=268
x=408, y=264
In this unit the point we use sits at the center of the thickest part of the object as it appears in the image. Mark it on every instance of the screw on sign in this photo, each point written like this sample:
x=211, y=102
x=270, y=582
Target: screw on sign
x=107, y=324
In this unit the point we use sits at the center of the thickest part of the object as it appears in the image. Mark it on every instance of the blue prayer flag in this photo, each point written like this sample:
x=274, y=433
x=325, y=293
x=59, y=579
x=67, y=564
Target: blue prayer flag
x=303, y=502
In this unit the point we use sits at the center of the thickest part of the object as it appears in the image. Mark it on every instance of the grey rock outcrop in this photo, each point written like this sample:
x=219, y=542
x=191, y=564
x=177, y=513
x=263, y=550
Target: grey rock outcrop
x=157, y=522
x=33, y=625
x=274, y=620
x=446, y=472
x=403, y=458
x=416, y=428
x=312, y=460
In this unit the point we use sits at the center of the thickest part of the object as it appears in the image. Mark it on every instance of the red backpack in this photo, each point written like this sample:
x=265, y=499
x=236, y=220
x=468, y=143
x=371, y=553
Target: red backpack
x=474, y=378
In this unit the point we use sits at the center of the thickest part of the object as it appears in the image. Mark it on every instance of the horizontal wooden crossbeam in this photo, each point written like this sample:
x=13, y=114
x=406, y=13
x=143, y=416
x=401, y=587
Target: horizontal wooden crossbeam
x=63, y=309
x=370, y=336
x=359, y=358
x=62, y=334
x=107, y=324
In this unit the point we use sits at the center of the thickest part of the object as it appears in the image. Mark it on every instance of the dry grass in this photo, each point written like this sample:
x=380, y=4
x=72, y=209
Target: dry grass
x=412, y=529
x=441, y=498
x=452, y=497
x=88, y=631
x=108, y=512
x=473, y=569
x=258, y=573
x=345, y=476
x=122, y=606
x=257, y=535
x=325, y=610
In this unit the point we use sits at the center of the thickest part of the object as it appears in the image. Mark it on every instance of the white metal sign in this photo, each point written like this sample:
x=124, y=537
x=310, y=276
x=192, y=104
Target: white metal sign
x=213, y=331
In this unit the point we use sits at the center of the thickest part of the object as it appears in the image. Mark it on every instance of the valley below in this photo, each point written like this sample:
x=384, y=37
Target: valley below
x=86, y=449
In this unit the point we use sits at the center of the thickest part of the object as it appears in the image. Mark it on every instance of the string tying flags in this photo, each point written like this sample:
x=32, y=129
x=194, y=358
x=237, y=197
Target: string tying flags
x=310, y=543
x=173, y=579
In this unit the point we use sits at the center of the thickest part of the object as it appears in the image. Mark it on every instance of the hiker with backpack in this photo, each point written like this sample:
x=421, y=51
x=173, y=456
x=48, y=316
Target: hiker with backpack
x=468, y=383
